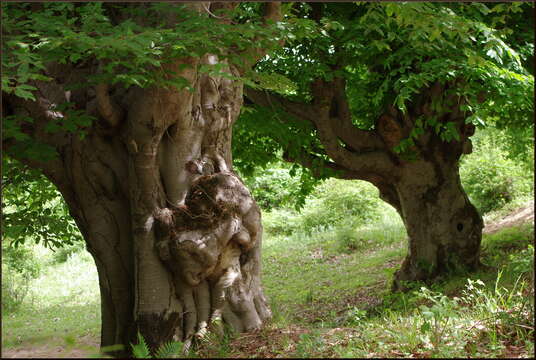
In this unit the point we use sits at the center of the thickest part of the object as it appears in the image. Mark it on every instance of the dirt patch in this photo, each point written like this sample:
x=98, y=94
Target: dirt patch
x=519, y=216
x=85, y=348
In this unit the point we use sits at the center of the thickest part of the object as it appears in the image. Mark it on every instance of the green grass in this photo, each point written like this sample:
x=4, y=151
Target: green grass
x=329, y=293
x=62, y=307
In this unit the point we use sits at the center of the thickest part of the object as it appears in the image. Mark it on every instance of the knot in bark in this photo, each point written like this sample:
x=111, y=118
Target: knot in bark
x=207, y=236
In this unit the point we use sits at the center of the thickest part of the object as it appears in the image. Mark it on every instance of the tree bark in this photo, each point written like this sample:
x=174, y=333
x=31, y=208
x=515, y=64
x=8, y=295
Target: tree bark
x=443, y=227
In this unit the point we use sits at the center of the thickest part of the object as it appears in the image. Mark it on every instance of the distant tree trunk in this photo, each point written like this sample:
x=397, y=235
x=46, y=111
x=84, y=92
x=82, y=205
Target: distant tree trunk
x=422, y=184
x=444, y=228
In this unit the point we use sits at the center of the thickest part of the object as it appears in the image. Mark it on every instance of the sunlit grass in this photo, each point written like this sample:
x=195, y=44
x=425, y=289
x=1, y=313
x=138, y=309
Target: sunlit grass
x=63, y=303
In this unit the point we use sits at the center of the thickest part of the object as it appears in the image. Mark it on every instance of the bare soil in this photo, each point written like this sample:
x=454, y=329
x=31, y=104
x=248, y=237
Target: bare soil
x=519, y=216
x=85, y=347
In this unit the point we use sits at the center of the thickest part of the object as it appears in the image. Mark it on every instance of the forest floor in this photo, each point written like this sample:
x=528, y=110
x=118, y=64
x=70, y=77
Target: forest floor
x=307, y=322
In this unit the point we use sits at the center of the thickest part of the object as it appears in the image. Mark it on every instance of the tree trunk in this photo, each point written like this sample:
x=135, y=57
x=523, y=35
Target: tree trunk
x=175, y=234
x=443, y=227
x=196, y=229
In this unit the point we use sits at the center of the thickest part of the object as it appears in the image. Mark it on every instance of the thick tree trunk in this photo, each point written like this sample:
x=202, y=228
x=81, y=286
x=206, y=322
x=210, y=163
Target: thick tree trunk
x=175, y=234
x=443, y=227
x=196, y=228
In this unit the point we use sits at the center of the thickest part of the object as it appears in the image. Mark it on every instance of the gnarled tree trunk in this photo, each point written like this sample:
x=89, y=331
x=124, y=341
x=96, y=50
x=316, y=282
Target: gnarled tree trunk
x=189, y=205
x=422, y=182
x=444, y=228
x=175, y=234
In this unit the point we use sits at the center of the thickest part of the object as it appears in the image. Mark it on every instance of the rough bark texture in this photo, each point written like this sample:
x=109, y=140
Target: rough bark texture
x=443, y=227
x=175, y=234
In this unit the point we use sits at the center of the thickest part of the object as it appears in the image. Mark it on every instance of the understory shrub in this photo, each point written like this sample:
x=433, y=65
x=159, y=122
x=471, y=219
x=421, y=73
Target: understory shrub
x=15, y=286
x=273, y=188
x=19, y=266
x=335, y=203
x=491, y=179
x=63, y=253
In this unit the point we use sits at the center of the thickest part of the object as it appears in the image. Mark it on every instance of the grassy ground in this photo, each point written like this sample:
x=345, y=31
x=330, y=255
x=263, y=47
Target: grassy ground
x=61, y=310
x=329, y=292
x=330, y=298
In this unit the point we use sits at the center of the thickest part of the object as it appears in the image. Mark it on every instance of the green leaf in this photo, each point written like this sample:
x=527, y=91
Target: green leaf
x=169, y=349
x=140, y=350
x=425, y=327
x=24, y=91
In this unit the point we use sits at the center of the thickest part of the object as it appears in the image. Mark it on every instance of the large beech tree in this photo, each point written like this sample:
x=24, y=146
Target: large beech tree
x=391, y=93
x=128, y=109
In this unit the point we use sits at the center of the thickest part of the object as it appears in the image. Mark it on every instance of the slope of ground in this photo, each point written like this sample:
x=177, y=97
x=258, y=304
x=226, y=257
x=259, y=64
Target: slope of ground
x=523, y=214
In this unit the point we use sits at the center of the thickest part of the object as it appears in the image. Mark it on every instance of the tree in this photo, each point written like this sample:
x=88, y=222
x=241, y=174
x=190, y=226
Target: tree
x=391, y=93
x=128, y=110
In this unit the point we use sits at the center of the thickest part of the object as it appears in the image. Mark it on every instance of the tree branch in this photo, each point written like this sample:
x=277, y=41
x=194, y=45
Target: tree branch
x=271, y=100
x=377, y=161
x=354, y=137
x=108, y=109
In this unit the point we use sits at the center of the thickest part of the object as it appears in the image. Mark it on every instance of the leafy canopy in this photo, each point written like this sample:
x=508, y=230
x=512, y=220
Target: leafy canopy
x=389, y=53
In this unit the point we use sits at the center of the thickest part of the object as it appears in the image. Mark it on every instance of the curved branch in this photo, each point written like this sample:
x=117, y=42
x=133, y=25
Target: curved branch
x=108, y=109
x=342, y=121
x=271, y=100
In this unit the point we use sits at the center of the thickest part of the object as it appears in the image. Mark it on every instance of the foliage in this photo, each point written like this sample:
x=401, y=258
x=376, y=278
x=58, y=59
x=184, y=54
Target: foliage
x=20, y=259
x=33, y=208
x=388, y=54
x=490, y=178
x=330, y=204
x=19, y=267
x=274, y=187
x=15, y=287
x=63, y=253
x=166, y=350
x=356, y=203
x=131, y=45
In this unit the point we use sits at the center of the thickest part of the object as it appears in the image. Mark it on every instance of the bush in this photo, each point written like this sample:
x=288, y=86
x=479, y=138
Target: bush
x=15, y=286
x=491, y=179
x=63, y=253
x=20, y=259
x=280, y=221
x=273, y=188
x=336, y=201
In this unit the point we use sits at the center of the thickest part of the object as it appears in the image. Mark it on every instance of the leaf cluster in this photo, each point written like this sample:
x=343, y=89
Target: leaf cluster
x=33, y=210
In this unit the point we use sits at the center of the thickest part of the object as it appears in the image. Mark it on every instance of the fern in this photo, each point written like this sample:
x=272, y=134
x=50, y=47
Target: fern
x=141, y=350
x=166, y=350
x=169, y=349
